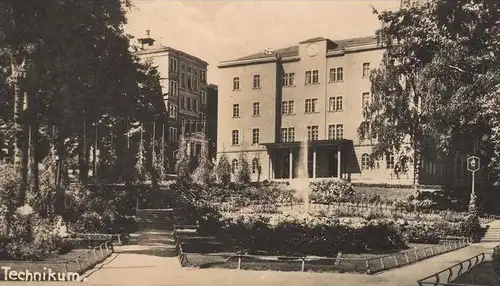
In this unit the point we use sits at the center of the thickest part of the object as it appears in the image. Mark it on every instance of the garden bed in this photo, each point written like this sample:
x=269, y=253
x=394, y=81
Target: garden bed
x=75, y=261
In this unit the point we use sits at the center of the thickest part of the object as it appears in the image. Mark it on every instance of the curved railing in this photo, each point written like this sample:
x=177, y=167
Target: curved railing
x=446, y=276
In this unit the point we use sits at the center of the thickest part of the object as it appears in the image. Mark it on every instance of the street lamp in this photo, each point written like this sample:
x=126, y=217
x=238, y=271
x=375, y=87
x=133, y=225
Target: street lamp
x=473, y=165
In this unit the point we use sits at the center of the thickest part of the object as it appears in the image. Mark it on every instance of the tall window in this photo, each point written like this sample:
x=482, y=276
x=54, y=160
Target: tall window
x=288, y=134
x=203, y=97
x=236, y=110
x=287, y=107
x=172, y=111
x=365, y=100
x=312, y=133
x=173, y=87
x=389, y=161
x=336, y=74
x=188, y=105
x=234, y=166
x=172, y=134
x=189, y=82
x=255, y=165
x=183, y=80
x=340, y=74
x=289, y=79
x=181, y=100
x=256, y=109
x=365, y=162
x=195, y=105
x=336, y=131
x=203, y=76
x=235, y=137
x=236, y=83
x=366, y=69
x=173, y=64
x=203, y=117
x=335, y=103
x=256, y=81
x=195, y=84
x=311, y=105
x=308, y=77
x=315, y=77
x=255, y=136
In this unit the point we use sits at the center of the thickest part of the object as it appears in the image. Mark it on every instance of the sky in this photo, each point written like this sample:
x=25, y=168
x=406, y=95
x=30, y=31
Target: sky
x=217, y=31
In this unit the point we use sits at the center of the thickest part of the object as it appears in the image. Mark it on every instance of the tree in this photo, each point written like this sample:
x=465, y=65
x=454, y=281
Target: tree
x=440, y=67
x=204, y=173
x=224, y=170
x=183, y=161
x=243, y=172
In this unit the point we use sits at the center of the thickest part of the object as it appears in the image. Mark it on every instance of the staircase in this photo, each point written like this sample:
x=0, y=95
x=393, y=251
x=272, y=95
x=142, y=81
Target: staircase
x=493, y=233
x=156, y=231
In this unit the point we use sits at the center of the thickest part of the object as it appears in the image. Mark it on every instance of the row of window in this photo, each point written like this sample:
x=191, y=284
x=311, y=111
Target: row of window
x=174, y=89
x=335, y=132
x=336, y=74
x=367, y=162
x=190, y=104
x=235, y=165
x=335, y=104
x=201, y=75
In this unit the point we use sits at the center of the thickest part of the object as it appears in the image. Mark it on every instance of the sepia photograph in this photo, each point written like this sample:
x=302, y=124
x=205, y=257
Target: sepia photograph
x=250, y=142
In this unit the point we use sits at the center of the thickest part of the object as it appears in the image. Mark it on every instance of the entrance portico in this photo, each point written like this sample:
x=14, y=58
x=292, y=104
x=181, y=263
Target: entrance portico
x=325, y=159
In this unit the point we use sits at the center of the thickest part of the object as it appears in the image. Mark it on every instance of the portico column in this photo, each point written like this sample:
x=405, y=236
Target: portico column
x=339, y=163
x=271, y=172
x=314, y=163
x=290, y=164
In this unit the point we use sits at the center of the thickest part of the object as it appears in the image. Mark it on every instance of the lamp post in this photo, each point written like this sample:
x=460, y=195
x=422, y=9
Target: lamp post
x=473, y=165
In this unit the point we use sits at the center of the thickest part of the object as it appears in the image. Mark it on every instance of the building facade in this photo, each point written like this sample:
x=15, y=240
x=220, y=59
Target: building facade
x=185, y=87
x=312, y=93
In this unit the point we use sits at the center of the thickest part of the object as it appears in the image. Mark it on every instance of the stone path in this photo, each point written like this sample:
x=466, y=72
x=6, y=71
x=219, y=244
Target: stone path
x=129, y=266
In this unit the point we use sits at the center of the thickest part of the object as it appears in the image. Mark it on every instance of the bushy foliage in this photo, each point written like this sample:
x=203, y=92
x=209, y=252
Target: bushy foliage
x=204, y=173
x=243, y=172
x=317, y=237
x=224, y=170
x=29, y=236
x=184, y=161
x=329, y=191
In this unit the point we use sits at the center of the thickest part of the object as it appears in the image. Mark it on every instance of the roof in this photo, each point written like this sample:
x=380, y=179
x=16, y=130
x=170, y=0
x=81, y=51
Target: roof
x=293, y=51
x=160, y=48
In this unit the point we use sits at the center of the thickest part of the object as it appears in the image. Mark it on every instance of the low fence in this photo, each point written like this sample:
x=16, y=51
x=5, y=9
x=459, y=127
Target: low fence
x=325, y=264
x=72, y=267
x=183, y=259
x=91, y=238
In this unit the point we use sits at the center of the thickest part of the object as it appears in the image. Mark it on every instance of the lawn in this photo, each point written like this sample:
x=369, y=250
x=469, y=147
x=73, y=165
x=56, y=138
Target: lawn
x=348, y=262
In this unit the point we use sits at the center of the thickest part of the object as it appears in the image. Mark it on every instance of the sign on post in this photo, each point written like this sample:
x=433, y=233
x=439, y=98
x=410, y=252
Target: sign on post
x=473, y=164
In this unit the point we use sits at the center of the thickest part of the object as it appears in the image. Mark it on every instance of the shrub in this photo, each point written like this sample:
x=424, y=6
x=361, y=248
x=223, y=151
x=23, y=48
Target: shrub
x=223, y=170
x=329, y=191
x=311, y=237
x=243, y=175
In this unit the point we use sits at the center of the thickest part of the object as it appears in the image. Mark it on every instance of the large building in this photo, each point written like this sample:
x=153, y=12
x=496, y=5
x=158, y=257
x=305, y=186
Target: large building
x=312, y=92
x=185, y=89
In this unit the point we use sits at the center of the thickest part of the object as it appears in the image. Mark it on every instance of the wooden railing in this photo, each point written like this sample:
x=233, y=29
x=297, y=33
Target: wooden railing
x=180, y=253
x=446, y=276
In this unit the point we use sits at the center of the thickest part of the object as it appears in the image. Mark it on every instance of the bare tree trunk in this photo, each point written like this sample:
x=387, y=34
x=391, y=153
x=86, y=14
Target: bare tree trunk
x=34, y=172
x=83, y=162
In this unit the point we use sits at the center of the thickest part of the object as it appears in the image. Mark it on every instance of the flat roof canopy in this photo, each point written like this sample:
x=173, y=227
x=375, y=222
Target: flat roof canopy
x=316, y=143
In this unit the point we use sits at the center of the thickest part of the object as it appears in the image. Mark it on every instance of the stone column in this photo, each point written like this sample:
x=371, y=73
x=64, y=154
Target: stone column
x=290, y=164
x=339, y=162
x=314, y=163
x=271, y=172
